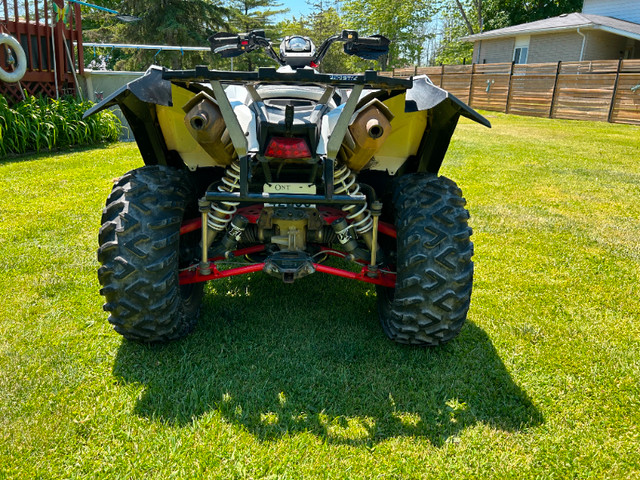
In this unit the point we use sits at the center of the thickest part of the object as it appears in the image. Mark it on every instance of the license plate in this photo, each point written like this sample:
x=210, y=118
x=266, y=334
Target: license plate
x=289, y=188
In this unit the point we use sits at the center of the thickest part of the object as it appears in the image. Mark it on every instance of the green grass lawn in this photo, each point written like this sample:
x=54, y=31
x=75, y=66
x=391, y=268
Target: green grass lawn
x=298, y=381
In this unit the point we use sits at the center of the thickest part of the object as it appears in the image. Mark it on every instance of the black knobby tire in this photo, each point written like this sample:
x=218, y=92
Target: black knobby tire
x=431, y=299
x=141, y=251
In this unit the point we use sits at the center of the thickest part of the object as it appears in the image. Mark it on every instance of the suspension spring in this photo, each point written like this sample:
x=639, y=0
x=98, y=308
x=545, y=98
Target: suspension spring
x=345, y=184
x=222, y=212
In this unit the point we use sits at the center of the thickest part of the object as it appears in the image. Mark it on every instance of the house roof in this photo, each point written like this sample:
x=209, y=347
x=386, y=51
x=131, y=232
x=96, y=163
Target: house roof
x=571, y=21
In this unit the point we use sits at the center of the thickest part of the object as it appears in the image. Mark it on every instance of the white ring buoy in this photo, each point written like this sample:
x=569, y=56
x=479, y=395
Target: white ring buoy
x=21, y=67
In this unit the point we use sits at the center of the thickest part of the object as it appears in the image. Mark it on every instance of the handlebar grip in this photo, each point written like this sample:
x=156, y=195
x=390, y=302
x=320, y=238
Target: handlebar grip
x=374, y=41
x=222, y=39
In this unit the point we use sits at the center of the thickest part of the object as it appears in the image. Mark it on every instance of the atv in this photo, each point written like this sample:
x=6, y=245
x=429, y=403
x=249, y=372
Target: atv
x=279, y=170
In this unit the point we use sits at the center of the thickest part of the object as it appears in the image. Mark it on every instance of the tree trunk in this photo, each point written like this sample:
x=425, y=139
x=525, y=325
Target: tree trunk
x=465, y=18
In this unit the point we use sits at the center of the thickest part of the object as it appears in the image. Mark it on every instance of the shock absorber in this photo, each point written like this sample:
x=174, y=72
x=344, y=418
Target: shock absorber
x=359, y=215
x=222, y=212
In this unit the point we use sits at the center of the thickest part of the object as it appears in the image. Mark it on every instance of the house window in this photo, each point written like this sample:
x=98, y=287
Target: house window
x=520, y=55
x=521, y=49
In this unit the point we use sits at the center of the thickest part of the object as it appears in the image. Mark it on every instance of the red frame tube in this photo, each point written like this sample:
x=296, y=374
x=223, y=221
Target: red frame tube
x=365, y=275
x=387, y=229
x=190, y=226
x=252, y=213
x=193, y=276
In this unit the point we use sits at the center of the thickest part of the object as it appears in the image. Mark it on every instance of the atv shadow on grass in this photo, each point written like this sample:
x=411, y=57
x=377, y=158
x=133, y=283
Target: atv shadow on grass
x=311, y=357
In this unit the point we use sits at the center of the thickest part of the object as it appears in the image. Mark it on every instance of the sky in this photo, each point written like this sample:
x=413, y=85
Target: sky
x=296, y=8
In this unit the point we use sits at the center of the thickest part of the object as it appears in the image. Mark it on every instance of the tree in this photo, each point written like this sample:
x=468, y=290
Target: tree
x=468, y=17
x=399, y=20
x=175, y=22
x=451, y=50
x=476, y=16
x=477, y=6
x=163, y=22
x=458, y=19
x=481, y=15
x=323, y=22
x=247, y=15
x=524, y=11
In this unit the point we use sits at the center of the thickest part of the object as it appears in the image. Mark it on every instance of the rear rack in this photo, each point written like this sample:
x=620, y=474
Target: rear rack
x=370, y=78
x=356, y=82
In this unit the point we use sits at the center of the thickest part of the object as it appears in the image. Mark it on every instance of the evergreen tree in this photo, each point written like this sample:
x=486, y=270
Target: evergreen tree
x=163, y=22
x=247, y=15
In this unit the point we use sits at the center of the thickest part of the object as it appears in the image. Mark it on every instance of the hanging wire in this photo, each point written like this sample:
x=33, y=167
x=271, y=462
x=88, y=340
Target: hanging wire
x=177, y=48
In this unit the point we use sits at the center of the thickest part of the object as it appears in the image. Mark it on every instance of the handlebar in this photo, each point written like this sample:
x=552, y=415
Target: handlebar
x=232, y=45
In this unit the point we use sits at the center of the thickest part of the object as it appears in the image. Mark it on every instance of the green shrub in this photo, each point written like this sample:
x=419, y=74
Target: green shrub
x=37, y=124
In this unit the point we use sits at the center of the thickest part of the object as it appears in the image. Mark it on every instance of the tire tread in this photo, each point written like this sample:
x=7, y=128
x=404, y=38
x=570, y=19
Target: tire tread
x=429, y=305
x=139, y=244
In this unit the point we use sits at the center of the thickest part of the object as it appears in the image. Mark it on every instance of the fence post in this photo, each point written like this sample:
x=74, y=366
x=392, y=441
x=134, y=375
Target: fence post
x=506, y=107
x=555, y=86
x=473, y=71
x=615, y=90
x=441, y=75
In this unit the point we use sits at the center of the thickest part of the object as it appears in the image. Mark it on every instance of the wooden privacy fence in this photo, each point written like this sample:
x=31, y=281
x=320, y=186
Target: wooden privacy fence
x=605, y=90
x=48, y=42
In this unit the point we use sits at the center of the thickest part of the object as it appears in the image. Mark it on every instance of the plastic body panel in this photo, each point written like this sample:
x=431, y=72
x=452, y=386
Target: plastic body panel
x=175, y=133
x=425, y=116
x=407, y=129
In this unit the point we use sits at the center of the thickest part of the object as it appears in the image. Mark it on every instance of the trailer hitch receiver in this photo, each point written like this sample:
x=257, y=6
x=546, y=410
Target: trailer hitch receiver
x=289, y=266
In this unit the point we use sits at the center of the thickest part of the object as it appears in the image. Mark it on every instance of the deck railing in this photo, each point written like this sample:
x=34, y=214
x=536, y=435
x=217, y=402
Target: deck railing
x=52, y=44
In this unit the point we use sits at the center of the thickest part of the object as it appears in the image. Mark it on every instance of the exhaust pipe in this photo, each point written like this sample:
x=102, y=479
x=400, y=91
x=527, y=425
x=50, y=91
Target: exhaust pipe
x=199, y=121
x=374, y=129
x=205, y=123
x=367, y=133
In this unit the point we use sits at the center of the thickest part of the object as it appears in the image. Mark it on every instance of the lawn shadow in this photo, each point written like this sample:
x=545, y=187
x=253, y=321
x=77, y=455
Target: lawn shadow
x=279, y=359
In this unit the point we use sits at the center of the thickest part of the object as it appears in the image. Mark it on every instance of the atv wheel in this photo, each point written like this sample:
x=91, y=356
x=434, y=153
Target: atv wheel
x=429, y=304
x=141, y=251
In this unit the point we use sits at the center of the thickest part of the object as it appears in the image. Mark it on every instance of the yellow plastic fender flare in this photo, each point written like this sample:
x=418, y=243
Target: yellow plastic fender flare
x=20, y=67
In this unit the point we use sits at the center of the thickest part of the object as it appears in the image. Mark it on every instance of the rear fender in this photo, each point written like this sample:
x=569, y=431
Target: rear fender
x=444, y=112
x=138, y=100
